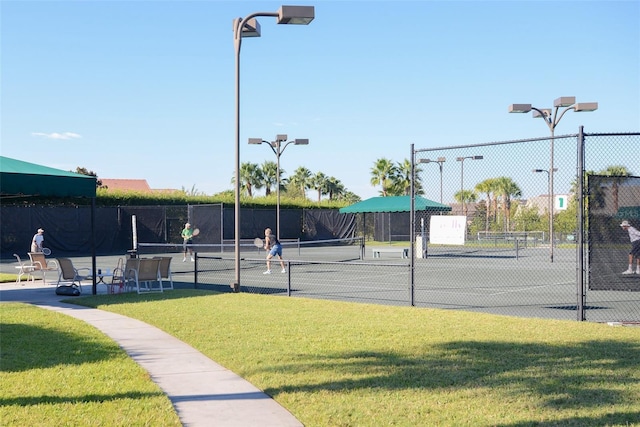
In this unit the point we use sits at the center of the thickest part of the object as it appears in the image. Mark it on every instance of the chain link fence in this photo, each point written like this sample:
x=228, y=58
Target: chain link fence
x=511, y=257
x=513, y=244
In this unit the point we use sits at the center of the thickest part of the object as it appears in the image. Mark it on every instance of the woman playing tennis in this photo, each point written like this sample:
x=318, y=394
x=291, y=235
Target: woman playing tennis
x=273, y=248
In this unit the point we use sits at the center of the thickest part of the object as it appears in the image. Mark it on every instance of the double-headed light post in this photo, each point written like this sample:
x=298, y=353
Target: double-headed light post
x=440, y=161
x=249, y=27
x=461, y=160
x=277, y=148
x=568, y=103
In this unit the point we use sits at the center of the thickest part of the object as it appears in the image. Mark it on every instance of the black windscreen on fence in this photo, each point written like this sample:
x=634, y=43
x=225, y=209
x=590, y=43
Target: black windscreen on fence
x=612, y=200
x=208, y=219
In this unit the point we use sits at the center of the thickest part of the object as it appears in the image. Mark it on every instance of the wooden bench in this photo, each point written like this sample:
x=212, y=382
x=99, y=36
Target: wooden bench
x=404, y=252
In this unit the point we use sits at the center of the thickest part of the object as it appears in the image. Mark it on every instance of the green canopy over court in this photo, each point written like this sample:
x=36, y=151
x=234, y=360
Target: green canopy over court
x=629, y=212
x=23, y=179
x=395, y=204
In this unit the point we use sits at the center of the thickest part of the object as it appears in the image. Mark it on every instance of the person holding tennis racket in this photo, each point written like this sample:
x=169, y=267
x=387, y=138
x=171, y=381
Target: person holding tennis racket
x=273, y=248
x=187, y=236
x=634, y=236
x=38, y=241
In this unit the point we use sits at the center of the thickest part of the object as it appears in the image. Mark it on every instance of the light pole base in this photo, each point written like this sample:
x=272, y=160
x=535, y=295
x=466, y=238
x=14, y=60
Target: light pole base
x=235, y=287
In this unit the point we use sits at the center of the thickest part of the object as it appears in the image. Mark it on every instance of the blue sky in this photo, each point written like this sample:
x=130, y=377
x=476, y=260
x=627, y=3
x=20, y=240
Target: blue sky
x=145, y=89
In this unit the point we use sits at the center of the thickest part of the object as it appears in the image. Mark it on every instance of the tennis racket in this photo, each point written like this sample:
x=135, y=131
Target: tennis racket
x=196, y=232
x=46, y=251
x=258, y=242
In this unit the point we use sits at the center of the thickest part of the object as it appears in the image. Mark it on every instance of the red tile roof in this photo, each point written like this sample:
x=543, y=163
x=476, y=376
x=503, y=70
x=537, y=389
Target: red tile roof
x=140, y=185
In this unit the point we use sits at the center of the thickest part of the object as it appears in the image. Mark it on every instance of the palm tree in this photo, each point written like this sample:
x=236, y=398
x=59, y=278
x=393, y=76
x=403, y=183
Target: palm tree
x=334, y=188
x=486, y=187
x=270, y=175
x=617, y=175
x=250, y=177
x=320, y=183
x=301, y=178
x=382, y=174
x=507, y=189
x=401, y=180
x=465, y=197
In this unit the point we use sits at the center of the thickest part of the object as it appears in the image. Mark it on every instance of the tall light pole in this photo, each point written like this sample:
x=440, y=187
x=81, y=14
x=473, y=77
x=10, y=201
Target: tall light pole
x=461, y=160
x=277, y=148
x=549, y=202
x=440, y=161
x=568, y=103
x=249, y=27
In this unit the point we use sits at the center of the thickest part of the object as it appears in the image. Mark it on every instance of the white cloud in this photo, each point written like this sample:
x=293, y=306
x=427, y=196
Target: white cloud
x=56, y=135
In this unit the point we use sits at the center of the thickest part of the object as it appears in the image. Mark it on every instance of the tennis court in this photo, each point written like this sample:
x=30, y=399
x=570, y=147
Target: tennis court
x=500, y=281
x=473, y=278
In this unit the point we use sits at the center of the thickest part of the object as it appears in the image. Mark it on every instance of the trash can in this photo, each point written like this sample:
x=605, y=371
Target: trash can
x=421, y=246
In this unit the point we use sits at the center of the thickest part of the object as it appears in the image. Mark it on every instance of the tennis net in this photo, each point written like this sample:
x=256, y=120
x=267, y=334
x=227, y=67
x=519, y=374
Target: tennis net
x=348, y=249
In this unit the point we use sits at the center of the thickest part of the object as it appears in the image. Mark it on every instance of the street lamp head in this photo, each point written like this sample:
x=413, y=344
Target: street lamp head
x=546, y=112
x=519, y=108
x=585, y=106
x=439, y=160
x=301, y=141
x=298, y=15
x=540, y=170
x=255, y=140
x=477, y=157
x=281, y=137
x=249, y=28
x=460, y=159
x=564, y=101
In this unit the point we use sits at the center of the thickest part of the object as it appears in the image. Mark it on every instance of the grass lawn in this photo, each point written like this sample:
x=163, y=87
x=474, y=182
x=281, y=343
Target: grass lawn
x=343, y=364
x=57, y=371
x=8, y=277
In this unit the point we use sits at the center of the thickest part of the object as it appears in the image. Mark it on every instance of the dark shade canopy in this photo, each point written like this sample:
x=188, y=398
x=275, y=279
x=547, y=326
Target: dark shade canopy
x=18, y=178
x=395, y=204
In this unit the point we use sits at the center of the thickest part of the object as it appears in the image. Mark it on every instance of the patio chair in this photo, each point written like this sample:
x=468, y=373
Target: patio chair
x=117, y=280
x=24, y=270
x=41, y=264
x=165, y=270
x=143, y=277
x=68, y=274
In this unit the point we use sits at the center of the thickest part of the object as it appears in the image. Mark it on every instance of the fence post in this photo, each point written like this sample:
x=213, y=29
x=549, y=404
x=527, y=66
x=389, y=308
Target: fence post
x=580, y=219
x=288, y=278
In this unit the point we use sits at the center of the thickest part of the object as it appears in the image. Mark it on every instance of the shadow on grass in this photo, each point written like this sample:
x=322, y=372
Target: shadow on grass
x=95, y=301
x=618, y=418
x=563, y=377
x=85, y=398
x=26, y=347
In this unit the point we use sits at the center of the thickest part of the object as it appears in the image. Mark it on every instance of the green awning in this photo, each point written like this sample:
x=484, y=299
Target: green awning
x=395, y=204
x=18, y=178
x=628, y=212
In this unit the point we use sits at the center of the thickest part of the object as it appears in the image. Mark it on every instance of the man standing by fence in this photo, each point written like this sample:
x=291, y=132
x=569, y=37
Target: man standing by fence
x=634, y=236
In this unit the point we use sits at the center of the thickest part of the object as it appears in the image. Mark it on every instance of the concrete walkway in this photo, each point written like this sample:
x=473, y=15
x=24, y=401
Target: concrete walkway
x=202, y=392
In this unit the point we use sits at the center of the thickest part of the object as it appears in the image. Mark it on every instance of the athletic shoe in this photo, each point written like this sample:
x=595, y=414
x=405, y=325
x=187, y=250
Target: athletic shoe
x=184, y=259
x=628, y=271
x=267, y=272
x=284, y=271
x=638, y=271
x=192, y=259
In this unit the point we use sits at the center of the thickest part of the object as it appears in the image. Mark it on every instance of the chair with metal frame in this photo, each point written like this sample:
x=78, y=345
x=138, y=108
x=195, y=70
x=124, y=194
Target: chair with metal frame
x=143, y=277
x=41, y=264
x=67, y=273
x=117, y=279
x=24, y=270
x=165, y=271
